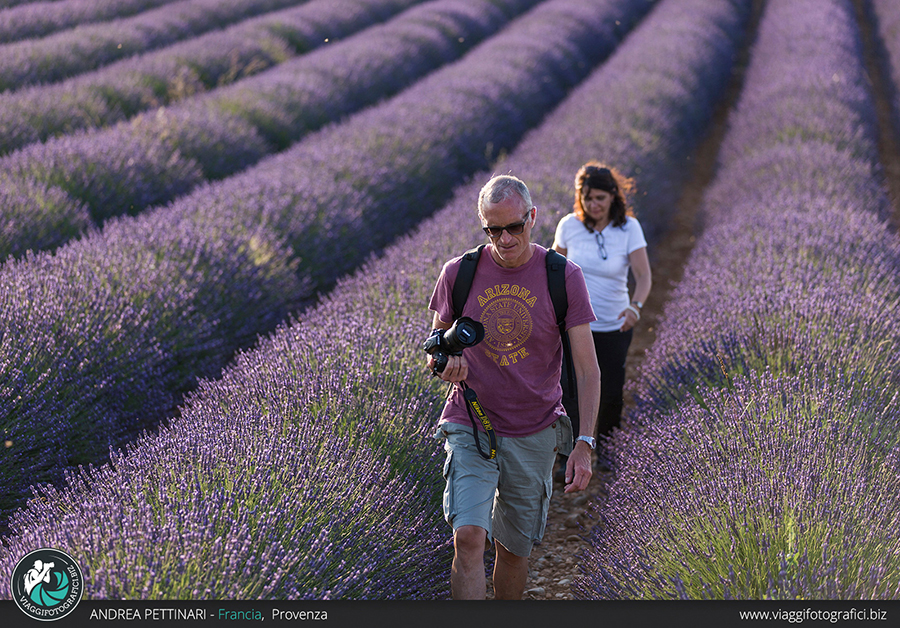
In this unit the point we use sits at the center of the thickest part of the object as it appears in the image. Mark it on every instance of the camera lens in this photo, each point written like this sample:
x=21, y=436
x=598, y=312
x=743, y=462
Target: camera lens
x=466, y=334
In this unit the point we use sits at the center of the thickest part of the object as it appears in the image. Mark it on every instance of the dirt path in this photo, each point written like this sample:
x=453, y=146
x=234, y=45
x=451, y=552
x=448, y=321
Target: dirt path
x=554, y=563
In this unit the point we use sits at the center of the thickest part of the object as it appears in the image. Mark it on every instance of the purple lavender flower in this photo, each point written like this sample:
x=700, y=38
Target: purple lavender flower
x=100, y=339
x=272, y=502
x=25, y=216
x=439, y=131
x=774, y=489
x=815, y=181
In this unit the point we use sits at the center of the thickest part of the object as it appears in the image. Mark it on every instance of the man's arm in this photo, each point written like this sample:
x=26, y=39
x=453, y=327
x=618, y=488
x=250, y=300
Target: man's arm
x=587, y=375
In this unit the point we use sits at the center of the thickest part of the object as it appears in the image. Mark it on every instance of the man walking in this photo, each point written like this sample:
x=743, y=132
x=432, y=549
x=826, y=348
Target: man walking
x=515, y=373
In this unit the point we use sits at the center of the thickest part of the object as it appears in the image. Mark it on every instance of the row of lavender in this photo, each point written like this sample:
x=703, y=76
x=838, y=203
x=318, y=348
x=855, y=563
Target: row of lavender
x=157, y=157
x=120, y=90
x=105, y=334
x=42, y=18
x=348, y=381
x=72, y=51
x=763, y=459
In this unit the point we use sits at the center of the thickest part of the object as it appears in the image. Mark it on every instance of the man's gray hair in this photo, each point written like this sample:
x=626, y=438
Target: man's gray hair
x=500, y=188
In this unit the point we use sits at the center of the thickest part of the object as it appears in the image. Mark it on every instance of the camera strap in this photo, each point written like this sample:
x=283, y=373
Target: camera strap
x=473, y=405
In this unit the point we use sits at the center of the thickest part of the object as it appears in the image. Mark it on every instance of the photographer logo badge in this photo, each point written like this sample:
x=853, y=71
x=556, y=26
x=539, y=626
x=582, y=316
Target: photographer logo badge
x=47, y=584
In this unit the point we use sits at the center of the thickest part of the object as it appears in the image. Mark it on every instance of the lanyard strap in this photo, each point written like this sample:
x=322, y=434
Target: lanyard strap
x=472, y=404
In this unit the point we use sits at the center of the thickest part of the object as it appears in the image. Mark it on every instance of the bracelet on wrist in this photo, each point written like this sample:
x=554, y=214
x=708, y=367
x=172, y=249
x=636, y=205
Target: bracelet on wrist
x=635, y=310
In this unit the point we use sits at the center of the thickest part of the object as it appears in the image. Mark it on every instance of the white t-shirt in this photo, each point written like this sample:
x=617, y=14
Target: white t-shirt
x=607, y=280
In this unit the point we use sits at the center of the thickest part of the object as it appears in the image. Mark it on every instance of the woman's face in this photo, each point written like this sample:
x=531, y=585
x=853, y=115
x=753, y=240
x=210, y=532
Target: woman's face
x=596, y=204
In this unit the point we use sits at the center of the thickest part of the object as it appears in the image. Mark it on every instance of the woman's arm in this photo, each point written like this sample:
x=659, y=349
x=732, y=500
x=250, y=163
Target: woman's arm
x=640, y=266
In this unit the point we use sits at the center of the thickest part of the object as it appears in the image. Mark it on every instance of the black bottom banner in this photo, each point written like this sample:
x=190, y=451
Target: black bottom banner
x=358, y=614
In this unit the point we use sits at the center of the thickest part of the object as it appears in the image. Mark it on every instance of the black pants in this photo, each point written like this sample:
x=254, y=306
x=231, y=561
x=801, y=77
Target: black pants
x=612, y=349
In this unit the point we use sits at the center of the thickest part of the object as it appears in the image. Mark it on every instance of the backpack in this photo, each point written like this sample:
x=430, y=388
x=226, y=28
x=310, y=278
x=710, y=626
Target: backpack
x=556, y=283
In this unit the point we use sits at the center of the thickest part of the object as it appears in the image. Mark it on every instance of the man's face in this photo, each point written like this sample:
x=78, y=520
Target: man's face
x=510, y=250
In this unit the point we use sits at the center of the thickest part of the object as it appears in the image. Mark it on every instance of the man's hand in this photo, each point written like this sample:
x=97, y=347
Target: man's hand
x=578, y=468
x=457, y=368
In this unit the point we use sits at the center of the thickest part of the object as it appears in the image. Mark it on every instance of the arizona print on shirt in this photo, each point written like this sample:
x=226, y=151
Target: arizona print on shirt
x=507, y=321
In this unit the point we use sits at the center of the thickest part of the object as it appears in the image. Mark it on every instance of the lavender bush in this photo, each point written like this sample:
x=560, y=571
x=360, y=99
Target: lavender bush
x=36, y=212
x=99, y=340
x=761, y=461
x=276, y=503
x=112, y=313
x=769, y=490
x=160, y=156
x=70, y=52
x=321, y=371
x=37, y=19
x=127, y=87
x=820, y=95
x=823, y=302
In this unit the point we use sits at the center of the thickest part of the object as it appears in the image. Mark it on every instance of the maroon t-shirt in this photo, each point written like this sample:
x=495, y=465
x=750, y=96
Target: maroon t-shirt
x=515, y=370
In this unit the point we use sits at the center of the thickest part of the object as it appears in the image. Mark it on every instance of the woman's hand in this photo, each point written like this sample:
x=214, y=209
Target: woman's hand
x=630, y=321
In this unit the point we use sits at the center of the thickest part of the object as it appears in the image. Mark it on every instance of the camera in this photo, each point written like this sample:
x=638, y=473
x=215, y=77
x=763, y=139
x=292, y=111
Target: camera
x=441, y=344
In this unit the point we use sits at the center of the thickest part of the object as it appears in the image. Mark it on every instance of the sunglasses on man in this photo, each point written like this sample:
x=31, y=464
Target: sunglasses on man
x=516, y=228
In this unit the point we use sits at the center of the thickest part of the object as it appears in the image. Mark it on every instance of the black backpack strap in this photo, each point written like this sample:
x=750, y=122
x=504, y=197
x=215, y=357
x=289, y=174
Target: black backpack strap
x=464, y=279
x=556, y=282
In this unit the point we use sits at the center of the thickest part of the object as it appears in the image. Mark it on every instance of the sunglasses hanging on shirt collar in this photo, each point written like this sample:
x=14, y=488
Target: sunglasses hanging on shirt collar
x=601, y=244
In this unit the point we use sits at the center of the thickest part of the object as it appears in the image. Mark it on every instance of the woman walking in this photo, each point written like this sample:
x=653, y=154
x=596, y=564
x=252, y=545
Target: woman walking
x=604, y=238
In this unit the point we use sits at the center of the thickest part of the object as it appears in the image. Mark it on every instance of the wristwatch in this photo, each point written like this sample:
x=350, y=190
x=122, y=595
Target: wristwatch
x=590, y=440
x=637, y=304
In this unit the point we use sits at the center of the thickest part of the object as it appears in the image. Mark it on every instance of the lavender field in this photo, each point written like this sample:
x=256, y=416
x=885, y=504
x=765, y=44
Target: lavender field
x=221, y=229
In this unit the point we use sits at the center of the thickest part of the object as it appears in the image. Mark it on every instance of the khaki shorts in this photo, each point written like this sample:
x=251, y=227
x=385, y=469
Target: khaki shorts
x=508, y=496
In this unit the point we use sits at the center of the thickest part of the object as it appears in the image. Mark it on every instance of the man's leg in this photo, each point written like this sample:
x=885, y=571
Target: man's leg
x=510, y=574
x=467, y=572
